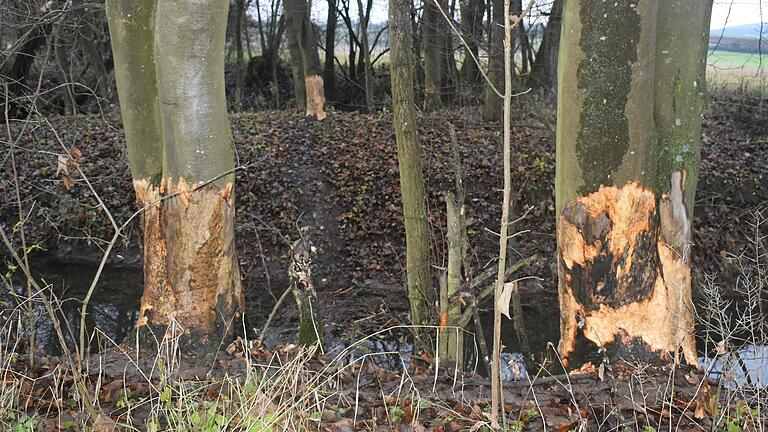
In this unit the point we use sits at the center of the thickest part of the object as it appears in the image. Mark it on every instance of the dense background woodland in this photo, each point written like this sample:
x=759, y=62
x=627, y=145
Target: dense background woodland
x=337, y=215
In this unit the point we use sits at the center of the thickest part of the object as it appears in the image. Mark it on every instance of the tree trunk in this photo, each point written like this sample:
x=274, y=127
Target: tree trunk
x=132, y=34
x=17, y=66
x=293, y=19
x=679, y=97
x=67, y=88
x=433, y=43
x=544, y=72
x=621, y=283
x=313, y=71
x=451, y=333
x=522, y=35
x=472, y=12
x=420, y=290
x=450, y=77
x=94, y=55
x=202, y=265
x=329, y=73
x=492, y=106
x=299, y=24
x=170, y=81
x=366, y=57
x=240, y=66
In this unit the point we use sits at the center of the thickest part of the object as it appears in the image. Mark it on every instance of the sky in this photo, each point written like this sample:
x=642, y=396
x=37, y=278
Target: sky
x=741, y=11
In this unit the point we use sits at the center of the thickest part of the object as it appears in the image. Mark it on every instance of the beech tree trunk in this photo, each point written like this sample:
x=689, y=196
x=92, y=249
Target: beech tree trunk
x=302, y=43
x=544, y=72
x=623, y=210
x=132, y=34
x=169, y=62
x=682, y=42
x=420, y=291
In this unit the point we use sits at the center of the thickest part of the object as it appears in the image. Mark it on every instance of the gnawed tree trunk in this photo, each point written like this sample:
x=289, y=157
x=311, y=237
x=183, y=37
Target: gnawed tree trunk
x=303, y=45
x=680, y=88
x=132, y=34
x=420, y=291
x=433, y=43
x=621, y=283
x=544, y=71
x=300, y=278
x=170, y=81
x=198, y=164
x=451, y=333
x=679, y=93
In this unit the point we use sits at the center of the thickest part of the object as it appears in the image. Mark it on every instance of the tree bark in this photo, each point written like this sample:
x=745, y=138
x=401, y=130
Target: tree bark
x=450, y=77
x=621, y=283
x=368, y=73
x=302, y=36
x=240, y=65
x=451, y=333
x=202, y=265
x=171, y=87
x=293, y=19
x=679, y=98
x=329, y=73
x=544, y=71
x=472, y=12
x=420, y=291
x=522, y=37
x=132, y=34
x=492, y=107
x=433, y=43
x=96, y=59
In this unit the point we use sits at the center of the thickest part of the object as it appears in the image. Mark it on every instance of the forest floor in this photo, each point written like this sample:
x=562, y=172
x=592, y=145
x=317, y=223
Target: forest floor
x=339, y=178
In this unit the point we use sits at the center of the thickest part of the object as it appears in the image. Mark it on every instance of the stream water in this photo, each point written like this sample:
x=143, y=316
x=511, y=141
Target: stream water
x=113, y=310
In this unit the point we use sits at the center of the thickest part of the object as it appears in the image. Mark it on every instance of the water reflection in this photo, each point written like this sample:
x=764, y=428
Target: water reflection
x=113, y=307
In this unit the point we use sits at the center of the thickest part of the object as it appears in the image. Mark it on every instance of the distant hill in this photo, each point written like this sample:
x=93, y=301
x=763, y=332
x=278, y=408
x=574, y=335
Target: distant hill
x=746, y=31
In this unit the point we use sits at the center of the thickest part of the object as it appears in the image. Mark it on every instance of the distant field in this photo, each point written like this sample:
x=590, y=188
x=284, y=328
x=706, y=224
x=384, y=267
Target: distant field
x=733, y=68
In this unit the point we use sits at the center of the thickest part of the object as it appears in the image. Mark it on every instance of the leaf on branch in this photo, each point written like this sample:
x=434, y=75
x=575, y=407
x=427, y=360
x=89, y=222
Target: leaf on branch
x=506, y=297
